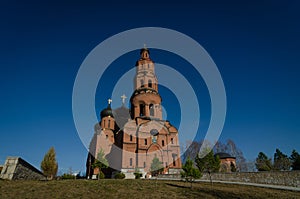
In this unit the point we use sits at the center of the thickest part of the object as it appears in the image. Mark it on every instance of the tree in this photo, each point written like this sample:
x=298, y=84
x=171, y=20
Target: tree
x=190, y=173
x=263, y=163
x=295, y=160
x=49, y=165
x=156, y=166
x=191, y=149
x=209, y=163
x=100, y=163
x=281, y=161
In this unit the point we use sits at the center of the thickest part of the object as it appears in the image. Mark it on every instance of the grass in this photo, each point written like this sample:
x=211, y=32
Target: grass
x=133, y=189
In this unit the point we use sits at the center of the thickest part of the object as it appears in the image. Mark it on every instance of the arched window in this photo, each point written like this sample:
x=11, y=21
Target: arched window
x=142, y=83
x=174, y=159
x=150, y=83
x=130, y=161
x=106, y=136
x=151, y=108
x=172, y=141
x=130, y=137
x=163, y=143
x=142, y=110
x=108, y=123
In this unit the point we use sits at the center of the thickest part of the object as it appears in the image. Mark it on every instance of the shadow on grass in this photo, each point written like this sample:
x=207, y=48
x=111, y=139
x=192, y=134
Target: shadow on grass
x=176, y=185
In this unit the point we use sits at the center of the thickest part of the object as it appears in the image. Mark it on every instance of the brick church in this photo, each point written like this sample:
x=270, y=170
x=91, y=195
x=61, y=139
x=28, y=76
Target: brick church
x=132, y=138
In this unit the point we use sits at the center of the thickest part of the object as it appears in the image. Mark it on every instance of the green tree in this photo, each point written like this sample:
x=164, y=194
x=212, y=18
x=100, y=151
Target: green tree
x=281, y=161
x=209, y=163
x=295, y=160
x=190, y=173
x=100, y=163
x=49, y=165
x=263, y=163
x=156, y=166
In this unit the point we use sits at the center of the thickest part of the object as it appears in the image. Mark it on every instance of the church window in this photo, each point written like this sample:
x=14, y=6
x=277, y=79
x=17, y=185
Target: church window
x=142, y=109
x=154, y=139
x=130, y=161
x=144, y=164
x=151, y=107
x=172, y=141
x=108, y=123
x=150, y=83
x=163, y=143
x=174, y=159
x=103, y=123
x=146, y=142
x=142, y=83
x=130, y=137
x=106, y=136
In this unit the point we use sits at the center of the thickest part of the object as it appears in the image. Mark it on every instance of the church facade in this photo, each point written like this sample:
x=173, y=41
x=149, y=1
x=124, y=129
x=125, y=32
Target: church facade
x=132, y=138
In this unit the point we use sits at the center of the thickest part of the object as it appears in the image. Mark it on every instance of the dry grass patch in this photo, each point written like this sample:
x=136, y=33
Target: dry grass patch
x=133, y=189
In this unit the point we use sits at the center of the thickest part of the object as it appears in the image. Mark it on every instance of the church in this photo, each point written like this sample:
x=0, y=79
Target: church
x=131, y=138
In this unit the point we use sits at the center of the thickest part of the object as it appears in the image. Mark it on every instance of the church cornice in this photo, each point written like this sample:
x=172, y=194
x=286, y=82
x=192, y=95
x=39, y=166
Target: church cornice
x=144, y=91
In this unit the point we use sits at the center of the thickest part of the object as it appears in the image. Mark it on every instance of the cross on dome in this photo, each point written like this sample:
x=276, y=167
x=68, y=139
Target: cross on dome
x=109, y=101
x=123, y=98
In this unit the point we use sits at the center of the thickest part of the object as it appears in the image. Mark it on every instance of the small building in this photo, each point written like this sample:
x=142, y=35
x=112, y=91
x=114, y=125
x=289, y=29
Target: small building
x=15, y=168
x=228, y=162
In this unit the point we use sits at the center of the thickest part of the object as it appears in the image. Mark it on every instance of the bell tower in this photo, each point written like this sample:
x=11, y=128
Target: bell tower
x=145, y=101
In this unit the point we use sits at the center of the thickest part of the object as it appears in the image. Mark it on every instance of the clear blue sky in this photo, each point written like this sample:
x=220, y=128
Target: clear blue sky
x=255, y=45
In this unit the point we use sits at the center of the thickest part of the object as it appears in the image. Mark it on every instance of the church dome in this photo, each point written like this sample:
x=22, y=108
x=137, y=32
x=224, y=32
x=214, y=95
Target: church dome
x=122, y=115
x=107, y=112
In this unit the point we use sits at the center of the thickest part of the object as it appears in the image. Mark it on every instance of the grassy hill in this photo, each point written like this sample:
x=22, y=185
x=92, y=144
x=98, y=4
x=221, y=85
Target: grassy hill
x=133, y=189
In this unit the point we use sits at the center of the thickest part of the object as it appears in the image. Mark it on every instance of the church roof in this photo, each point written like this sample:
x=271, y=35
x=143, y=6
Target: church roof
x=223, y=155
x=107, y=112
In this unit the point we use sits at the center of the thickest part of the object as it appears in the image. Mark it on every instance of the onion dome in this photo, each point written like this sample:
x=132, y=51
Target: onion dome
x=107, y=112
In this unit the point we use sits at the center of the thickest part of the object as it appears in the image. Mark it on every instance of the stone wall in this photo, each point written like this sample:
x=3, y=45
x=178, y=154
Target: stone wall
x=16, y=168
x=284, y=178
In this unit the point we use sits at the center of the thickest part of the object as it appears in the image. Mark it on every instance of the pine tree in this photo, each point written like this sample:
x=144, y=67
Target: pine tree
x=190, y=173
x=281, y=161
x=156, y=166
x=263, y=163
x=100, y=163
x=49, y=165
x=208, y=163
x=295, y=160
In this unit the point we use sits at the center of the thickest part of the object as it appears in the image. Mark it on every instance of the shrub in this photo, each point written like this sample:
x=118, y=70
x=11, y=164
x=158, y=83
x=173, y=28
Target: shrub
x=66, y=176
x=120, y=175
x=101, y=175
